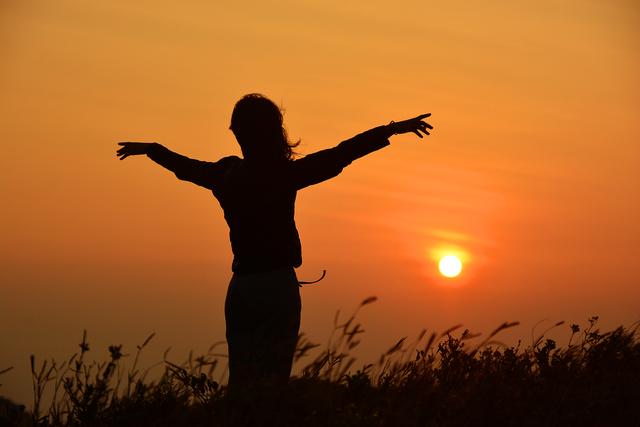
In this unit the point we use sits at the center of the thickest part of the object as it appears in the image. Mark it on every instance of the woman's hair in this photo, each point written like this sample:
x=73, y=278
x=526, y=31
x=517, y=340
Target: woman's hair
x=256, y=122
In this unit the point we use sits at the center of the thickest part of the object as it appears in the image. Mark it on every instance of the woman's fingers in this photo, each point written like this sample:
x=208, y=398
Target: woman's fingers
x=422, y=123
x=126, y=150
x=415, y=125
x=132, y=148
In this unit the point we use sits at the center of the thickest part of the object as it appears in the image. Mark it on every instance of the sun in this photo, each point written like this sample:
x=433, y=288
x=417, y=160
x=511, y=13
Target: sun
x=450, y=266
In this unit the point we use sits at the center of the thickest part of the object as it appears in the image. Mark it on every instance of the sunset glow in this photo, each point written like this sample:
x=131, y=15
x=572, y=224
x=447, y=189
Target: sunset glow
x=522, y=204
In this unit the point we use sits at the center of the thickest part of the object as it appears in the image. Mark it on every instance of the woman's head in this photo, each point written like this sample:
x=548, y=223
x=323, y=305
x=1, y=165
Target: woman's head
x=257, y=124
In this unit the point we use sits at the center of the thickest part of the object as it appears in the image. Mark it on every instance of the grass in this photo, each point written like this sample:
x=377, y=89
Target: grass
x=453, y=378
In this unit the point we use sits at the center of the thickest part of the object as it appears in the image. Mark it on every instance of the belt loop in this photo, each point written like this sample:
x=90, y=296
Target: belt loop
x=300, y=283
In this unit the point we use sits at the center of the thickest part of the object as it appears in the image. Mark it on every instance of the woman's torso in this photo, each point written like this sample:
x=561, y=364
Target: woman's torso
x=259, y=205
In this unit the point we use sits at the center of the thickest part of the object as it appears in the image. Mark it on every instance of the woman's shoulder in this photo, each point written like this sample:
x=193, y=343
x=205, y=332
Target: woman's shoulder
x=226, y=164
x=230, y=160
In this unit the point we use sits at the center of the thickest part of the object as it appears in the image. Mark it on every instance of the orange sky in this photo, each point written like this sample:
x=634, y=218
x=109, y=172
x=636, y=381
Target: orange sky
x=532, y=170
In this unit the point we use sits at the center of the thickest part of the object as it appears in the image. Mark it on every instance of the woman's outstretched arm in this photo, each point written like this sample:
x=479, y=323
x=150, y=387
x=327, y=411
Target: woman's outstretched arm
x=199, y=172
x=326, y=164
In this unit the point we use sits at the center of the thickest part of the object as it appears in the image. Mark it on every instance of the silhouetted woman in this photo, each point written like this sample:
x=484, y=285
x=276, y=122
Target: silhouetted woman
x=257, y=193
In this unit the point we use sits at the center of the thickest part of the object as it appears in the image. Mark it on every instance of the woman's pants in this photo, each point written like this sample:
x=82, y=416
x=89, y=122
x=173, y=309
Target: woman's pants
x=262, y=313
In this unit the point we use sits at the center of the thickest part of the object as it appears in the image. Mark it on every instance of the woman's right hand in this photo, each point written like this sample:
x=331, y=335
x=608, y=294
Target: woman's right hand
x=133, y=149
x=415, y=125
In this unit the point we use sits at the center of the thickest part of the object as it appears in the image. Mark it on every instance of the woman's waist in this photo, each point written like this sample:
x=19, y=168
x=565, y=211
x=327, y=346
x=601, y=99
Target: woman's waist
x=247, y=266
x=266, y=256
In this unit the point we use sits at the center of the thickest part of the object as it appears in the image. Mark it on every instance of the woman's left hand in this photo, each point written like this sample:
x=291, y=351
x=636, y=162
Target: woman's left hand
x=415, y=125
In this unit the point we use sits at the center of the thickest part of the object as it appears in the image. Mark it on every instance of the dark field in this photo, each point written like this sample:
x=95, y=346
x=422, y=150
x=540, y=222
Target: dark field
x=453, y=378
